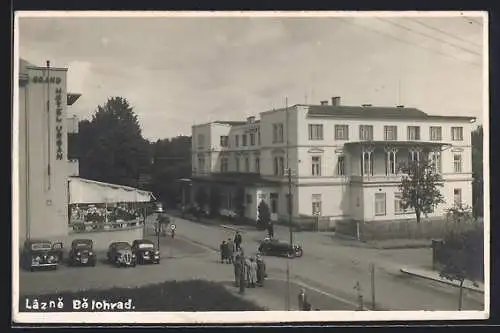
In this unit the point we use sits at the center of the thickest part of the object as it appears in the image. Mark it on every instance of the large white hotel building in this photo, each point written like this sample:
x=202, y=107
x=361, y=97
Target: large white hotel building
x=344, y=159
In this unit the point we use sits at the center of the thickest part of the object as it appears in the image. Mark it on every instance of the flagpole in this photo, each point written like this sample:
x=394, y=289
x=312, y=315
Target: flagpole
x=49, y=151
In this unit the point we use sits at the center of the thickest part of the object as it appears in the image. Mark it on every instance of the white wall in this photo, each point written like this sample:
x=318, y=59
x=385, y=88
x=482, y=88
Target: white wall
x=335, y=200
x=48, y=206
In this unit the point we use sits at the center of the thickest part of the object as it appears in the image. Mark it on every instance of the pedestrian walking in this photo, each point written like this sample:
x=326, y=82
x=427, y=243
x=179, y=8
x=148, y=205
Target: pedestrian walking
x=253, y=272
x=270, y=230
x=230, y=250
x=237, y=269
x=237, y=240
x=247, y=272
x=223, y=251
x=302, y=300
x=261, y=271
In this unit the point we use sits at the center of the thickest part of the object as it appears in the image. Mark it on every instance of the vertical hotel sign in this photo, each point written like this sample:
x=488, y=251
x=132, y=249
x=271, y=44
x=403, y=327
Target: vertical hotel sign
x=58, y=98
x=59, y=111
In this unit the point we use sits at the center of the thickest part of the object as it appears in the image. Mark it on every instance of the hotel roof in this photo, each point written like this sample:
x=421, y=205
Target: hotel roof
x=374, y=112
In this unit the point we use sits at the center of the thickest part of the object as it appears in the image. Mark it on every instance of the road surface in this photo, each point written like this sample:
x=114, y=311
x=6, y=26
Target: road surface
x=336, y=269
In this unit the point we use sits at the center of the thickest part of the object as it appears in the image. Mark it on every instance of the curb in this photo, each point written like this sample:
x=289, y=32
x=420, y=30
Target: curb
x=450, y=283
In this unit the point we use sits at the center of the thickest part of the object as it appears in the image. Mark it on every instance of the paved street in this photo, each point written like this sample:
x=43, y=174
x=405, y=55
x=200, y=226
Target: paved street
x=335, y=269
x=327, y=270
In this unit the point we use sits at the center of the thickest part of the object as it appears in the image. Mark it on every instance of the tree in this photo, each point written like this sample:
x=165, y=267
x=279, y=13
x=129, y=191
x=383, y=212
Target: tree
x=264, y=215
x=112, y=148
x=477, y=171
x=464, y=247
x=420, y=188
x=171, y=161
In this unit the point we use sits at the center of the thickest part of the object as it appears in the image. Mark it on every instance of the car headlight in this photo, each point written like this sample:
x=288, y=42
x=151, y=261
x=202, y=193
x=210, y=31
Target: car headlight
x=52, y=258
x=37, y=258
x=157, y=252
x=133, y=255
x=78, y=253
x=90, y=253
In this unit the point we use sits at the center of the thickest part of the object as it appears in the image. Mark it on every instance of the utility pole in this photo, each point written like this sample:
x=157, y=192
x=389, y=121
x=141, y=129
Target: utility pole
x=372, y=273
x=289, y=175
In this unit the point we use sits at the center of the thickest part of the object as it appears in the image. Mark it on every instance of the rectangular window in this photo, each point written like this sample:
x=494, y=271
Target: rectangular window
x=315, y=132
x=366, y=132
x=252, y=139
x=316, y=204
x=341, y=132
x=380, y=207
x=237, y=163
x=274, y=202
x=223, y=164
x=316, y=166
x=435, y=133
x=257, y=165
x=276, y=166
x=247, y=164
x=280, y=133
x=457, y=163
x=398, y=208
x=224, y=141
x=367, y=163
x=341, y=165
x=457, y=133
x=258, y=136
x=237, y=140
x=281, y=166
x=413, y=133
x=249, y=199
x=390, y=133
x=435, y=158
x=457, y=196
x=201, y=140
x=201, y=164
x=244, y=140
x=275, y=133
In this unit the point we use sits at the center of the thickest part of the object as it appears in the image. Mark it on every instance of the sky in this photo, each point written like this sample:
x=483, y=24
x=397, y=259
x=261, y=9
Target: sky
x=181, y=71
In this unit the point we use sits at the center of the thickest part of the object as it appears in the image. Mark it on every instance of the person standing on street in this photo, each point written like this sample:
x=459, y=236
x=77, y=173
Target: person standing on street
x=302, y=300
x=237, y=269
x=230, y=250
x=237, y=240
x=253, y=272
x=242, y=275
x=270, y=229
x=261, y=270
x=223, y=251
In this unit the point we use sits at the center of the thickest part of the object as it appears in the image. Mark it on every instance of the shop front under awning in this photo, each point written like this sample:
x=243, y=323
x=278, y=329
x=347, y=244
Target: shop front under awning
x=85, y=191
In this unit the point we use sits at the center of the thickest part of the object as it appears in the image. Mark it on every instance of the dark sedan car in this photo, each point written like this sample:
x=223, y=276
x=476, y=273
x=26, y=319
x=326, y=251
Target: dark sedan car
x=145, y=252
x=275, y=247
x=120, y=254
x=82, y=253
x=39, y=253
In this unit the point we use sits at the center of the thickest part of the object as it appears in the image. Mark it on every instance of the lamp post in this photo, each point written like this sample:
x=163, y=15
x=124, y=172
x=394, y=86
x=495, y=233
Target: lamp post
x=158, y=211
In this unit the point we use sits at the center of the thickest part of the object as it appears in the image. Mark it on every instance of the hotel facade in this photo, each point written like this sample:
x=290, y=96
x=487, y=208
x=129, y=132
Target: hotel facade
x=344, y=160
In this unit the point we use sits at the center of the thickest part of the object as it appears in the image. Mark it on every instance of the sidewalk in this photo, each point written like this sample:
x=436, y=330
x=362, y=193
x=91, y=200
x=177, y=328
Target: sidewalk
x=390, y=244
x=433, y=275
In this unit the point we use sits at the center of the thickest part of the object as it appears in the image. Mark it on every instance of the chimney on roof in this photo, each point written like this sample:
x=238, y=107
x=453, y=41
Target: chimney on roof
x=324, y=102
x=366, y=105
x=336, y=101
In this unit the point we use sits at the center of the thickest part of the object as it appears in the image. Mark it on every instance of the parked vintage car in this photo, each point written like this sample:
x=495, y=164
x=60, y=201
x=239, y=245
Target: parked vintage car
x=39, y=253
x=120, y=254
x=275, y=247
x=145, y=251
x=82, y=253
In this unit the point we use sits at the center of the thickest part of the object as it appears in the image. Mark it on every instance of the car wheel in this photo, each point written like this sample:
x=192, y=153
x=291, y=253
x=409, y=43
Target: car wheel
x=55, y=268
x=299, y=253
x=92, y=263
x=290, y=255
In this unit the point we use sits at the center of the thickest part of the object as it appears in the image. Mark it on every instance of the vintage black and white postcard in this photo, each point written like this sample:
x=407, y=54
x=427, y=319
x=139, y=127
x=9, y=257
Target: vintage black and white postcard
x=250, y=167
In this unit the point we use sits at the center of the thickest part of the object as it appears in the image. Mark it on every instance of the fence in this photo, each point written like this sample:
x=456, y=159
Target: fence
x=83, y=227
x=399, y=229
